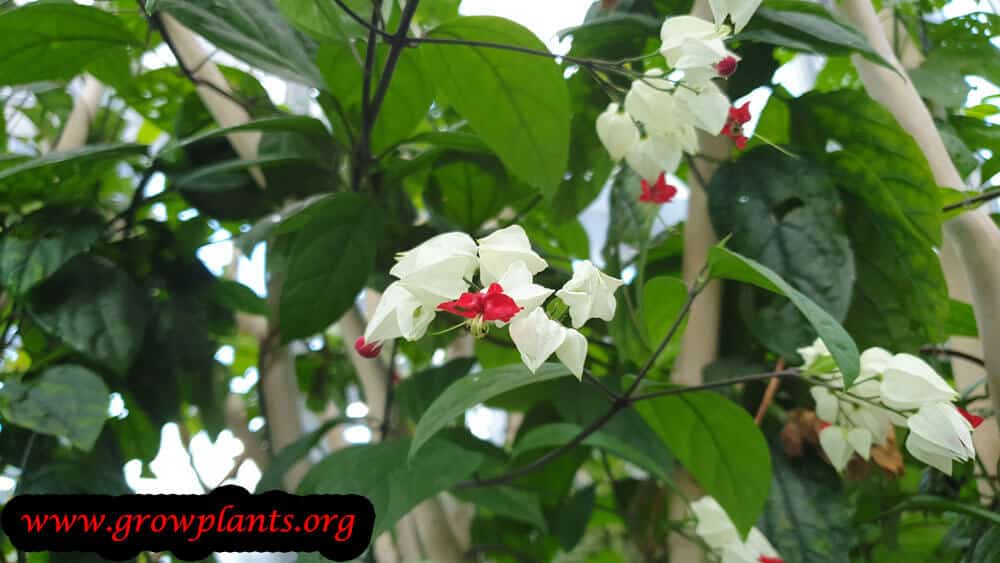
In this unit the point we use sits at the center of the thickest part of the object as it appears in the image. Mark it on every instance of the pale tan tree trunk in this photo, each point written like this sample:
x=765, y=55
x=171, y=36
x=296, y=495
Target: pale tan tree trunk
x=74, y=133
x=972, y=241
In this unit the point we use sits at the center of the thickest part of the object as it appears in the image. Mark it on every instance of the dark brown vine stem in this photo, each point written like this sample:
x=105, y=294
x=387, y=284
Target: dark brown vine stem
x=940, y=351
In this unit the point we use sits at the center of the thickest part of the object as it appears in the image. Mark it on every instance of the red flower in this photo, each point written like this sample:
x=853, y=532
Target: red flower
x=493, y=305
x=726, y=67
x=367, y=349
x=823, y=425
x=766, y=559
x=734, y=125
x=660, y=192
x=974, y=420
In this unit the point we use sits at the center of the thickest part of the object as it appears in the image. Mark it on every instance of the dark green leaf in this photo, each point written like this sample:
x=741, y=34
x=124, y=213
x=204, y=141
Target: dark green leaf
x=719, y=444
x=961, y=319
x=273, y=476
x=416, y=393
x=94, y=308
x=729, y=265
x=66, y=175
x=67, y=401
x=468, y=190
x=281, y=124
x=393, y=483
x=50, y=41
x=251, y=30
x=805, y=26
x=473, y=390
x=900, y=297
x=569, y=521
x=238, y=297
x=525, y=119
x=784, y=213
x=41, y=244
x=808, y=516
x=510, y=502
x=323, y=20
x=329, y=264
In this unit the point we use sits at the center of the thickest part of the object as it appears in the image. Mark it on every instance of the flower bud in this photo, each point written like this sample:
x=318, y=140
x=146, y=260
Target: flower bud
x=616, y=131
x=367, y=349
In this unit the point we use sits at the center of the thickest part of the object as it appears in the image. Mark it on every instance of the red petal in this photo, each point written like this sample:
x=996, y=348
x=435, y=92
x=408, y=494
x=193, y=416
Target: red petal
x=741, y=114
x=494, y=289
x=367, y=349
x=766, y=559
x=726, y=67
x=468, y=305
x=974, y=420
x=741, y=142
x=824, y=425
x=500, y=307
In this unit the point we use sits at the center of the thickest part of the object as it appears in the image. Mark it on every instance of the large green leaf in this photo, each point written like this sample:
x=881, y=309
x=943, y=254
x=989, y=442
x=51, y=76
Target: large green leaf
x=805, y=26
x=323, y=20
x=473, y=390
x=50, y=41
x=393, y=483
x=67, y=401
x=785, y=213
x=65, y=175
x=274, y=474
x=94, y=308
x=807, y=516
x=517, y=103
x=663, y=299
x=33, y=250
x=719, y=444
x=726, y=264
x=251, y=30
x=329, y=263
x=416, y=393
x=467, y=190
x=900, y=297
x=866, y=130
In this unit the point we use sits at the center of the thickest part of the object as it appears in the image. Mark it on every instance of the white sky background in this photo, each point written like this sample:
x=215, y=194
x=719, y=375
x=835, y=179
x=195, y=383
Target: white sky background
x=545, y=18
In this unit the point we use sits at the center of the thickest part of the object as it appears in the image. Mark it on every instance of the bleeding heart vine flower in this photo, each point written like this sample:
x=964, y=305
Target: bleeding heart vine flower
x=590, y=294
x=659, y=193
x=504, y=247
x=840, y=444
x=691, y=42
x=726, y=67
x=910, y=383
x=721, y=536
x=737, y=11
x=940, y=435
x=733, y=128
x=706, y=107
x=506, y=265
x=617, y=132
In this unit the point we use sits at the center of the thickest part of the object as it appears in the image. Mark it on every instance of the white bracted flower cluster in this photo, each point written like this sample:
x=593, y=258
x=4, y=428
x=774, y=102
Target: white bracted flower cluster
x=720, y=535
x=670, y=110
x=436, y=276
x=900, y=390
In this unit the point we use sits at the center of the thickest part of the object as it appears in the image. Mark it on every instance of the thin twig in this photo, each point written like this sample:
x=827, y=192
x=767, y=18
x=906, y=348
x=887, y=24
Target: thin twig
x=985, y=196
x=772, y=389
x=364, y=23
x=939, y=351
x=591, y=379
x=715, y=384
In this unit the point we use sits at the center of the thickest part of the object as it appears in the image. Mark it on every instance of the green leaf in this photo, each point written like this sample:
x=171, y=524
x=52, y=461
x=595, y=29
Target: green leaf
x=866, y=130
x=559, y=433
x=569, y=521
x=224, y=176
x=65, y=175
x=807, y=516
x=726, y=264
x=237, y=297
x=416, y=393
x=900, y=296
x=785, y=213
x=509, y=502
x=67, y=401
x=805, y=26
x=525, y=118
x=273, y=476
x=94, y=308
x=253, y=31
x=719, y=444
x=619, y=35
x=393, y=483
x=406, y=103
x=275, y=124
x=473, y=390
x=322, y=20
x=961, y=319
x=987, y=547
x=328, y=265
x=35, y=249
x=468, y=190
x=662, y=300
x=50, y=41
